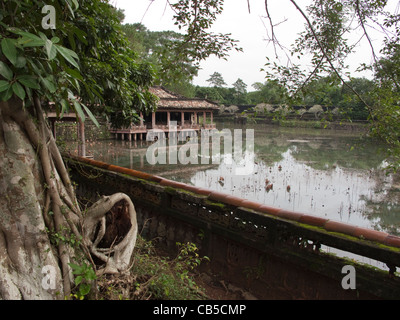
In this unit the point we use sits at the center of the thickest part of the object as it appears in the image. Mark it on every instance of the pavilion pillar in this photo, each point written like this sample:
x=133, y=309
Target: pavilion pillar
x=182, y=119
x=168, y=118
x=141, y=118
x=212, y=118
x=81, y=138
x=204, y=118
x=153, y=120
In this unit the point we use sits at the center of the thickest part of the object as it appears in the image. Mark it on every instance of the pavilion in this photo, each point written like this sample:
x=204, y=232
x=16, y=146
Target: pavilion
x=187, y=113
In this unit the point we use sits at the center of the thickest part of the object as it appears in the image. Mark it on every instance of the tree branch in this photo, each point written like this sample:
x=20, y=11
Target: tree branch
x=364, y=29
x=273, y=37
x=327, y=57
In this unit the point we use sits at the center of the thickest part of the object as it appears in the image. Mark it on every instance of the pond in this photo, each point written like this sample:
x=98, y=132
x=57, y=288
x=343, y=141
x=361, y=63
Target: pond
x=335, y=174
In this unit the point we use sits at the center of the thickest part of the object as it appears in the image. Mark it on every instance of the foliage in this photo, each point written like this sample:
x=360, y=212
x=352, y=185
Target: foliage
x=84, y=277
x=85, y=56
x=240, y=91
x=155, y=47
x=197, y=17
x=198, y=43
x=387, y=93
x=237, y=94
x=216, y=80
x=176, y=56
x=270, y=92
x=155, y=276
x=351, y=105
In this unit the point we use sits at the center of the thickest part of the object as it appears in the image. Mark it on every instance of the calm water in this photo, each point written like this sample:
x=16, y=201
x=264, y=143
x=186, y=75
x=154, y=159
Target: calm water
x=332, y=174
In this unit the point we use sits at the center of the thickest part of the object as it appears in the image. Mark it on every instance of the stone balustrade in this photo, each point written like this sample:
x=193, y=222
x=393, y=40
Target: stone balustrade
x=273, y=253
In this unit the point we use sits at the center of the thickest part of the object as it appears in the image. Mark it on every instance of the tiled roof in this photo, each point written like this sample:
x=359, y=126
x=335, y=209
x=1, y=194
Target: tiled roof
x=163, y=93
x=171, y=100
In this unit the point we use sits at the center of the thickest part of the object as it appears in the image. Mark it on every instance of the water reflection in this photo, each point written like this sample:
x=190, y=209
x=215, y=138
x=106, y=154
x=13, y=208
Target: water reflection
x=327, y=173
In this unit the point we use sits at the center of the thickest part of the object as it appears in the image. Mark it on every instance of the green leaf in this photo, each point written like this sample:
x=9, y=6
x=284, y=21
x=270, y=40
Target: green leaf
x=49, y=84
x=81, y=35
x=90, y=274
x=6, y=95
x=78, y=280
x=29, y=81
x=71, y=40
x=29, y=92
x=50, y=49
x=79, y=110
x=18, y=90
x=84, y=289
x=68, y=55
x=75, y=2
x=21, y=62
x=42, y=36
x=91, y=116
x=76, y=268
x=26, y=43
x=30, y=40
x=9, y=50
x=74, y=73
x=5, y=71
x=64, y=107
x=4, y=85
x=69, y=6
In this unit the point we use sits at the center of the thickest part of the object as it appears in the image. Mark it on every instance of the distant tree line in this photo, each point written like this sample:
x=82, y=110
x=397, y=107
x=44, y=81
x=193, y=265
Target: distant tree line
x=326, y=91
x=156, y=48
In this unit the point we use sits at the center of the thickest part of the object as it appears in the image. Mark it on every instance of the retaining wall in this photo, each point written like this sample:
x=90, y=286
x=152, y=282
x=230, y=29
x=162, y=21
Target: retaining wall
x=273, y=253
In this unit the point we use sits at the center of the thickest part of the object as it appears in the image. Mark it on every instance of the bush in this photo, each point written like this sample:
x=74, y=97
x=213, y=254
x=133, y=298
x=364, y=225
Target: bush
x=154, y=276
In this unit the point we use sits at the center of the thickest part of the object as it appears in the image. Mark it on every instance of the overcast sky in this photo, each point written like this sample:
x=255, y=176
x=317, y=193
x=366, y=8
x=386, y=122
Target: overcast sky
x=249, y=28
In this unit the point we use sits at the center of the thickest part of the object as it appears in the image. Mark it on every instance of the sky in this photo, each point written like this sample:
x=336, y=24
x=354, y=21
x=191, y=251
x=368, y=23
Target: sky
x=250, y=28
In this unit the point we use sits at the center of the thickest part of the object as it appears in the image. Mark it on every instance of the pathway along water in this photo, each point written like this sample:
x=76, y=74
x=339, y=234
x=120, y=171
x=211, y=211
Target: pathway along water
x=330, y=173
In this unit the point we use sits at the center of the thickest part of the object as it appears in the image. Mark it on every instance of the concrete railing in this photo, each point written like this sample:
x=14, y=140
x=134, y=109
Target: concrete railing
x=271, y=252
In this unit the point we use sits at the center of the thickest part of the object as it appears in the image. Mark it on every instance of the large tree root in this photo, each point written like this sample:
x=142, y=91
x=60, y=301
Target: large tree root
x=110, y=231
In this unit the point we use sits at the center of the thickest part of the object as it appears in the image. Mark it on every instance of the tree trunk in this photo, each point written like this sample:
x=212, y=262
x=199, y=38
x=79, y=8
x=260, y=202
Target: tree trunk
x=39, y=213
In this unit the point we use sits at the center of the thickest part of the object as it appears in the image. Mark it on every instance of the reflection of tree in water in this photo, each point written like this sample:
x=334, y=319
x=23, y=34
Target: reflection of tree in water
x=318, y=148
x=343, y=152
x=269, y=153
x=384, y=216
x=270, y=145
x=383, y=208
x=384, y=212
